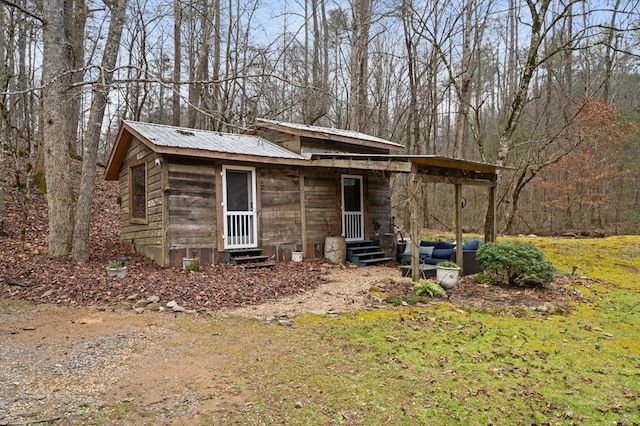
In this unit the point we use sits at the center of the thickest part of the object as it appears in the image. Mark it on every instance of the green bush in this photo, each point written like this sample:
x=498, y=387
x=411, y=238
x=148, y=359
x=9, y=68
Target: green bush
x=515, y=263
x=428, y=288
x=192, y=265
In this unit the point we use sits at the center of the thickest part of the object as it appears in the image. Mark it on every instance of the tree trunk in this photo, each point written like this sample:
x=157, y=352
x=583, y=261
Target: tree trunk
x=464, y=88
x=75, y=23
x=358, y=101
x=55, y=79
x=413, y=125
x=177, y=58
x=80, y=249
x=4, y=130
x=519, y=100
x=610, y=52
x=201, y=66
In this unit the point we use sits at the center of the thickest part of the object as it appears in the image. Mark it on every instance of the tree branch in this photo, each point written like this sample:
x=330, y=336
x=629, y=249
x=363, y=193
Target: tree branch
x=22, y=9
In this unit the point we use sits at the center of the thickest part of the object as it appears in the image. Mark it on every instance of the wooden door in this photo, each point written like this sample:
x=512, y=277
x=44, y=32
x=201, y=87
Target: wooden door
x=352, y=208
x=239, y=207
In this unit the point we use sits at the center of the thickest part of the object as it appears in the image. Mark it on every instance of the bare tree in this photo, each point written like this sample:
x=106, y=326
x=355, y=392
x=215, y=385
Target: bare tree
x=177, y=59
x=316, y=67
x=55, y=85
x=80, y=248
x=361, y=15
x=201, y=64
x=4, y=81
x=75, y=22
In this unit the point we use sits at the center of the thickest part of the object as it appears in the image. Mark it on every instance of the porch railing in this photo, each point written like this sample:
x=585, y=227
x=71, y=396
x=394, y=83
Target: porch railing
x=353, y=226
x=240, y=231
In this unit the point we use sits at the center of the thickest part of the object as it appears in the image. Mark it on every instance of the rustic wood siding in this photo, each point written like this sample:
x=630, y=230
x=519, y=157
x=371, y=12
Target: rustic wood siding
x=279, y=215
x=322, y=191
x=146, y=237
x=335, y=146
x=296, y=143
x=183, y=207
x=378, y=205
x=191, y=198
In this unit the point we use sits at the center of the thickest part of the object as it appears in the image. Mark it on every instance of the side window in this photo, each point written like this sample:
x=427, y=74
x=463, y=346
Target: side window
x=138, y=192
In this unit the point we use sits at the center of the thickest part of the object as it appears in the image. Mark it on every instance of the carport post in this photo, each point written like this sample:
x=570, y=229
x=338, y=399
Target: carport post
x=458, y=210
x=414, y=212
x=490, y=220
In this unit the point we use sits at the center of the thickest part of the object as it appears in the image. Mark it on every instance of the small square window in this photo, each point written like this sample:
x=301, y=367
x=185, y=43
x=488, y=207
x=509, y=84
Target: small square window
x=138, y=192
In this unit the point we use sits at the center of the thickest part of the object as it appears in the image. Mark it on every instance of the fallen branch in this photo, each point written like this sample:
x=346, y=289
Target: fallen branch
x=31, y=422
x=24, y=285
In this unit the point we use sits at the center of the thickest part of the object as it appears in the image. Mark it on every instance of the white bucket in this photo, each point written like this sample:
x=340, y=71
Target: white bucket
x=296, y=256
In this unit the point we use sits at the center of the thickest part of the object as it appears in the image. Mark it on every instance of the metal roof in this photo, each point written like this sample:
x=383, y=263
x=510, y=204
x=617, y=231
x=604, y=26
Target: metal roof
x=329, y=132
x=229, y=143
x=171, y=140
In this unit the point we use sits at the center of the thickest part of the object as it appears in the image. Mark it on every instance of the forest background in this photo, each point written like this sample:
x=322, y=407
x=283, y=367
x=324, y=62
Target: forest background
x=548, y=89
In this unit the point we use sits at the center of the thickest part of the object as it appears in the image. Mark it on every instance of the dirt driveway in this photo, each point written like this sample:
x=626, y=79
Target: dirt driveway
x=111, y=365
x=68, y=365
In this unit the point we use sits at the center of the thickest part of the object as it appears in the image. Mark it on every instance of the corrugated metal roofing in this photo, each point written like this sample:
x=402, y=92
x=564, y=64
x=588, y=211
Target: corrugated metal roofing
x=206, y=140
x=331, y=131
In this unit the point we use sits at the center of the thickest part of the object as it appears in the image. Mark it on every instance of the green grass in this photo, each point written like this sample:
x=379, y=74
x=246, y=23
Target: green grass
x=436, y=365
x=447, y=365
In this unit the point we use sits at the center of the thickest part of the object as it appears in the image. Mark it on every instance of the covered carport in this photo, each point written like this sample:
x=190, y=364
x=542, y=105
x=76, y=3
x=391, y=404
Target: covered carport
x=427, y=168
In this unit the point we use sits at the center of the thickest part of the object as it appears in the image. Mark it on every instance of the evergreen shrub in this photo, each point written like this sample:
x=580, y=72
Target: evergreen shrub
x=515, y=263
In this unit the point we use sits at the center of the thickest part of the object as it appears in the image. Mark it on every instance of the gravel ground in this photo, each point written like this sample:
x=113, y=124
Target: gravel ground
x=61, y=365
x=58, y=362
x=345, y=291
x=64, y=365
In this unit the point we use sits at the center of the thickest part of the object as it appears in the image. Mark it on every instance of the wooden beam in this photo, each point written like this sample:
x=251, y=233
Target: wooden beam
x=454, y=180
x=347, y=163
x=452, y=163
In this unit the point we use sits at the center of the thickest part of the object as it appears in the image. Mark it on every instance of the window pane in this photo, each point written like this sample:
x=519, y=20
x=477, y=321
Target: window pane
x=352, y=195
x=238, y=190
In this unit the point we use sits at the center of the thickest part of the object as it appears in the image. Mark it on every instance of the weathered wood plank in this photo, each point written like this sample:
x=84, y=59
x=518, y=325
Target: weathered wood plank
x=199, y=169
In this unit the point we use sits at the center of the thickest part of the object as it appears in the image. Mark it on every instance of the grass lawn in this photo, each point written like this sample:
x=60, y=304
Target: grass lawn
x=452, y=365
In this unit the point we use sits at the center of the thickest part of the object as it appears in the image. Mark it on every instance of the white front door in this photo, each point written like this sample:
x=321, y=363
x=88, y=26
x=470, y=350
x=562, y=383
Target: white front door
x=352, y=208
x=239, y=206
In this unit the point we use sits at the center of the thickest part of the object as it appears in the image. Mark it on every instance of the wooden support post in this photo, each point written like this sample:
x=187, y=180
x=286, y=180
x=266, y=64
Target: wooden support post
x=219, y=209
x=303, y=214
x=166, y=253
x=458, y=210
x=414, y=212
x=490, y=226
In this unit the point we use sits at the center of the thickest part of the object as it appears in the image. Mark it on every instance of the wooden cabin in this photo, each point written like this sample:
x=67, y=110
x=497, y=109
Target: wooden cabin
x=187, y=191
x=279, y=188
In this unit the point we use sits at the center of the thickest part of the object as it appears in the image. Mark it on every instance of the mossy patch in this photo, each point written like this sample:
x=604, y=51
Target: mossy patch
x=440, y=364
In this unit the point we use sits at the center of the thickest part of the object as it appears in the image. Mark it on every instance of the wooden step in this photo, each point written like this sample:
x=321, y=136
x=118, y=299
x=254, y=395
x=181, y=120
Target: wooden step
x=248, y=257
x=359, y=243
x=241, y=260
x=265, y=264
x=365, y=253
x=374, y=261
x=368, y=255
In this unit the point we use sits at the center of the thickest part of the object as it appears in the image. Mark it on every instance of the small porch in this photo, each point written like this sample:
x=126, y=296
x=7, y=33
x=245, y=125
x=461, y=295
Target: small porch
x=427, y=168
